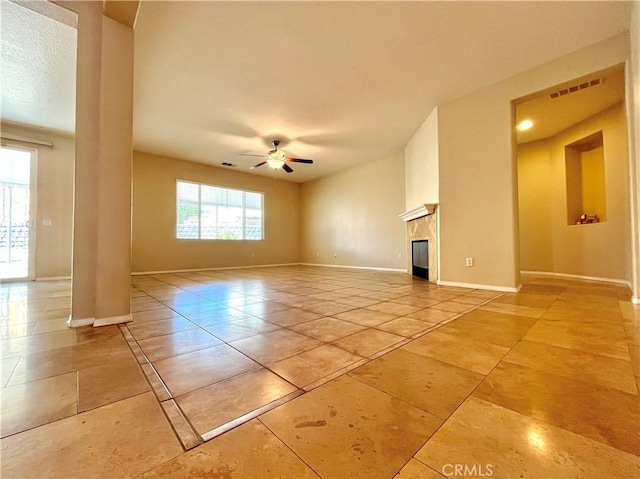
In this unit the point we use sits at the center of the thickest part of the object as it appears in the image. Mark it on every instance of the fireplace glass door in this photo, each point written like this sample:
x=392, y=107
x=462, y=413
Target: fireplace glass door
x=420, y=258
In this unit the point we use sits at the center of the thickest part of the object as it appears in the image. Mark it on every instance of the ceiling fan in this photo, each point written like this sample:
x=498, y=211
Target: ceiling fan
x=278, y=159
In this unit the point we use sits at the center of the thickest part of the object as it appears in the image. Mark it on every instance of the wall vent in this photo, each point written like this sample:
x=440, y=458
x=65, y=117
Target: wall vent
x=575, y=88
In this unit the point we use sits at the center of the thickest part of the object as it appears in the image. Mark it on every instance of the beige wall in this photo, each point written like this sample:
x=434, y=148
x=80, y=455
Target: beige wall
x=633, y=106
x=593, y=178
x=54, y=199
x=534, y=206
x=354, y=215
x=155, y=247
x=113, y=181
x=478, y=193
x=421, y=164
x=547, y=242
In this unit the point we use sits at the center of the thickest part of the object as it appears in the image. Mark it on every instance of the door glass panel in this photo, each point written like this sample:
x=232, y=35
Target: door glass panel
x=15, y=173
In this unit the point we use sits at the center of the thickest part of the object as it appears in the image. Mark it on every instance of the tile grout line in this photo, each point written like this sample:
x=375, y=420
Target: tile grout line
x=513, y=410
x=288, y=447
x=323, y=380
x=186, y=420
x=174, y=427
x=184, y=417
x=474, y=389
x=253, y=414
x=158, y=376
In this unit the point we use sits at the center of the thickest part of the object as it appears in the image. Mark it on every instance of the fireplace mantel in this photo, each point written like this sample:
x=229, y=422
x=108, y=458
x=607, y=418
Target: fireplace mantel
x=419, y=212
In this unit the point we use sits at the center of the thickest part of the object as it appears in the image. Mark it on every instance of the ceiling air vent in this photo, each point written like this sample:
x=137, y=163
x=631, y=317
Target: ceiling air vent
x=229, y=164
x=575, y=88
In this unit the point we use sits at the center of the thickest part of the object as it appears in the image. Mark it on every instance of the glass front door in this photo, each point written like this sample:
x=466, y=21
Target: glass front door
x=17, y=168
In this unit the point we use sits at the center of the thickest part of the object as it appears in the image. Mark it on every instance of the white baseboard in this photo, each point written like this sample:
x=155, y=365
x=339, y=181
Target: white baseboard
x=395, y=270
x=579, y=276
x=488, y=287
x=127, y=318
x=77, y=323
x=53, y=278
x=199, y=270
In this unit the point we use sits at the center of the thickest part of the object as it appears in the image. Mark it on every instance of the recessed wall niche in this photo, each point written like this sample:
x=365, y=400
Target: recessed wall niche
x=586, y=194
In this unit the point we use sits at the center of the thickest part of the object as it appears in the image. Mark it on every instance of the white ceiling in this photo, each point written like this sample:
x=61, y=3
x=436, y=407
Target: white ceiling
x=343, y=83
x=553, y=115
x=38, y=66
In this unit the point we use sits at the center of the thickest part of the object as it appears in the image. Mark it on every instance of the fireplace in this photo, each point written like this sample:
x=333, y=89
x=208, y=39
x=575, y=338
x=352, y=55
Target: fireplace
x=422, y=241
x=420, y=258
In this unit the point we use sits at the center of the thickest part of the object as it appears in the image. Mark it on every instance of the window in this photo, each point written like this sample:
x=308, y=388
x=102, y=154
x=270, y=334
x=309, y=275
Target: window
x=211, y=212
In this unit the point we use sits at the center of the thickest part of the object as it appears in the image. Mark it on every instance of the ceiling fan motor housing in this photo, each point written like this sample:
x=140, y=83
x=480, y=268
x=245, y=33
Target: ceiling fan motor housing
x=277, y=159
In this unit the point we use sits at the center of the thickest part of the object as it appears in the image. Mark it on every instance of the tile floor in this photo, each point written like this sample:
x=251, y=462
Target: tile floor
x=322, y=372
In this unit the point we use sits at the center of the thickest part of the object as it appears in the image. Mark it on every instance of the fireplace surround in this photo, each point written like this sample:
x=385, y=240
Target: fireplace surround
x=422, y=225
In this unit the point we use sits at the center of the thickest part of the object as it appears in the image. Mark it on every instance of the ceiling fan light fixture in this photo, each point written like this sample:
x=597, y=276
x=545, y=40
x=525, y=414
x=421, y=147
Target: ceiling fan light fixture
x=275, y=163
x=276, y=158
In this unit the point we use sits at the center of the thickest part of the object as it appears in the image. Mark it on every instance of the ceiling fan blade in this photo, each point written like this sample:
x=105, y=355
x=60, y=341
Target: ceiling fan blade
x=287, y=168
x=300, y=160
x=259, y=164
x=249, y=154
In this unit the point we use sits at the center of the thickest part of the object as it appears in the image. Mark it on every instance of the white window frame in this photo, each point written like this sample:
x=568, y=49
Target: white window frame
x=244, y=214
x=33, y=211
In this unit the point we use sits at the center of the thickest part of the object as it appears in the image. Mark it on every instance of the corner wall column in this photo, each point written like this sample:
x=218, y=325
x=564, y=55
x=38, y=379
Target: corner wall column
x=113, y=262
x=101, y=264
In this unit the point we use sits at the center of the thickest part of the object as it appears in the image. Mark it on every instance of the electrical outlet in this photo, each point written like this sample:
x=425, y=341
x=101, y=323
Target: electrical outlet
x=317, y=253
x=335, y=255
x=253, y=255
x=399, y=255
x=469, y=261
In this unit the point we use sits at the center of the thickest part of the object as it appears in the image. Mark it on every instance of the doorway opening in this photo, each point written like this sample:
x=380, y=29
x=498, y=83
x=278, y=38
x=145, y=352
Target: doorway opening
x=17, y=213
x=573, y=188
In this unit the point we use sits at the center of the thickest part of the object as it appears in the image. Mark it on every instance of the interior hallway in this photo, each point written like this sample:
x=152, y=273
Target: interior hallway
x=323, y=372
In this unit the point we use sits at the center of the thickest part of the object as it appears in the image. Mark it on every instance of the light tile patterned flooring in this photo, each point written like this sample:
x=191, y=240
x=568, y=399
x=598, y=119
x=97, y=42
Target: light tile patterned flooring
x=323, y=372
